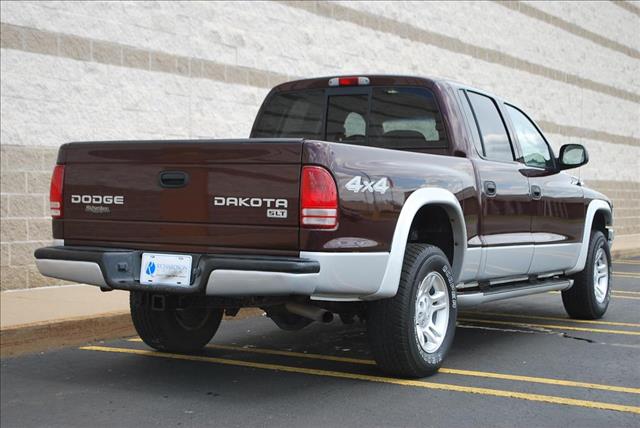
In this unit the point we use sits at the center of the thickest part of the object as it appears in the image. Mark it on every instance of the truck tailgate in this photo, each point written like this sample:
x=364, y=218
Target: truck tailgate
x=212, y=193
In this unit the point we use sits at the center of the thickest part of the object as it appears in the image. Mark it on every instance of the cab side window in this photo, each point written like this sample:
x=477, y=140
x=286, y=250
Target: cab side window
x=535, y=150
x=495, y=139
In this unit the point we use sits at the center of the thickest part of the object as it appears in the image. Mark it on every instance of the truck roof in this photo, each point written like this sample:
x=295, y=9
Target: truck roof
x=375, y=80
x=378, y=80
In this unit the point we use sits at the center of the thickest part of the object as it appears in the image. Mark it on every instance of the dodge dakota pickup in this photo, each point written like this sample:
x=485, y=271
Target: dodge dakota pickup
x=392, y=200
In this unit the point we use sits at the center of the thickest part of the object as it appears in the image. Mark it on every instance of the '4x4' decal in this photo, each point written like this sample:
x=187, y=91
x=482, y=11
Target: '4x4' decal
x=357, y=184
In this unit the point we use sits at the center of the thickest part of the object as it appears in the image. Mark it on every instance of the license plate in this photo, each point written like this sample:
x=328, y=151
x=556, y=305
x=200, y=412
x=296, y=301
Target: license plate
x=165, y=269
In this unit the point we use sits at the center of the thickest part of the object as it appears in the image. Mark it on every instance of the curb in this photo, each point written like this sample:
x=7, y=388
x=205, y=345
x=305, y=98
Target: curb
x=48, y=335
x=626, y=253
x=37, y=337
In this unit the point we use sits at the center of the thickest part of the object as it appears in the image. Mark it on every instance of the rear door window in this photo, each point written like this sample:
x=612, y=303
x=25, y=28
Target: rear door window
x=471, y=121
x=495, y=139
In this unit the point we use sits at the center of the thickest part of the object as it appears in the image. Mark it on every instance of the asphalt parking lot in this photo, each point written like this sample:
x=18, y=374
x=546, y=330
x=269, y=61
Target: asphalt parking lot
x=520, y=362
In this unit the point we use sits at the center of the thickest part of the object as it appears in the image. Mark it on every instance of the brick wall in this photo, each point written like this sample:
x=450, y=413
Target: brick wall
x=24, y=222
x=626, y=201
x=99, y=70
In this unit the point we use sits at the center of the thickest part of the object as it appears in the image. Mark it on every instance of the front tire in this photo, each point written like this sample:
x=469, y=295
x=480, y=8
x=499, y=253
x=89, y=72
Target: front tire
x=411, y=333
x=591, y=292
x=182, y=330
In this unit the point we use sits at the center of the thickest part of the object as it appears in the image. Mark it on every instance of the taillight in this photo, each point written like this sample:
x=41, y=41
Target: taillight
x=55, y=193
x=318, y=199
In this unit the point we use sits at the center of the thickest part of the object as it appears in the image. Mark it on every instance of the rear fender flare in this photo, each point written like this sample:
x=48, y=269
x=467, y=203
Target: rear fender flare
x=417, y=200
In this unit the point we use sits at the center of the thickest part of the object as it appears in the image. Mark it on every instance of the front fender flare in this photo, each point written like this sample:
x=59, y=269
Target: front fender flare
x=594, y=207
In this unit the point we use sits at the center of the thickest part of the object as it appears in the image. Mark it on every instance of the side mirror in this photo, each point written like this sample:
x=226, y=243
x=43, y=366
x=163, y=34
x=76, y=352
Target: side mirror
x=572, y=156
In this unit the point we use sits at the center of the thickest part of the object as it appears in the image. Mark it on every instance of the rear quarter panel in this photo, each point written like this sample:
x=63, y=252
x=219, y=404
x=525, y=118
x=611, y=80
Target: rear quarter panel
x=368, y=219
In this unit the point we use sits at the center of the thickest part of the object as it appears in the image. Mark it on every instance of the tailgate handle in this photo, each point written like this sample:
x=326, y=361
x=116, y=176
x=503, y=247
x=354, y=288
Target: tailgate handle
x=173, y=179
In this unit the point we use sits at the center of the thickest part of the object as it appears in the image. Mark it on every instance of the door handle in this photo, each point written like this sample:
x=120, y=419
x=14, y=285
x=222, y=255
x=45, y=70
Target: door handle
x=173, y=179
x=536, y=192
x=490, y=188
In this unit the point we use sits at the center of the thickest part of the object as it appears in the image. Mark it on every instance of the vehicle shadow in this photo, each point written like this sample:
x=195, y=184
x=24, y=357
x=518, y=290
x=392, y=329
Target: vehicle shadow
x=119, y=371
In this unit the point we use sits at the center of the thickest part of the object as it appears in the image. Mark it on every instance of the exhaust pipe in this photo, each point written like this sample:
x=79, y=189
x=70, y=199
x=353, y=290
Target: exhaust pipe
x=311, y=312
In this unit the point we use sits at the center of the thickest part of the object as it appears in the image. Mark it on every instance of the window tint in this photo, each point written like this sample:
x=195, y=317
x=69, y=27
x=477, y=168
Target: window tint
x=475, y=135
x=534, y=148
x=495, y=139
x=405, y=118
x=292, y=115
x=390, y=117
x=346, y=121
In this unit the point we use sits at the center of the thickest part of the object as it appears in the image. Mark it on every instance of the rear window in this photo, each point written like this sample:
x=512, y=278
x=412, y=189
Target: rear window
x=346, y=118
x=405, y=118
x=388, y=117
x=292, y=115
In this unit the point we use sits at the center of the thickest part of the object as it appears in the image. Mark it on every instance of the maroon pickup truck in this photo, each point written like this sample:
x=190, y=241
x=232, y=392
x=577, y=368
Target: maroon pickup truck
x=390, y=199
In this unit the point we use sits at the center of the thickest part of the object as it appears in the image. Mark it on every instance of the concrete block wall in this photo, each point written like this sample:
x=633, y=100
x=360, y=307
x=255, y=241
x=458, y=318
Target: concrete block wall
x=140, y=70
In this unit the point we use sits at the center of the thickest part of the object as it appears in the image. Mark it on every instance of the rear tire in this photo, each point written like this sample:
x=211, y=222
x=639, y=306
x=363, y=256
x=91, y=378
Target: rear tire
x=591, y=292
x=411, y=333
x=184, y=330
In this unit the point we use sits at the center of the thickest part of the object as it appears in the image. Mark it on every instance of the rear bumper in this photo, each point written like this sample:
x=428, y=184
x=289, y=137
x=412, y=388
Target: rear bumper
x=120, y=269
x=321, y=275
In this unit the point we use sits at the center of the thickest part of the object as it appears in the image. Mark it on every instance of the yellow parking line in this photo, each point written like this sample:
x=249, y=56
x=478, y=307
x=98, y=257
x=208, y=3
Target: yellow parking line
x=284, y=353
x=378, y=379
x=615, y=295
x=294, y=354
x=474, y=373
x=538, y=317
x=626, y=292
x=626, y=274
x=621, y=296
x=626, y=262
x=559, y=327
